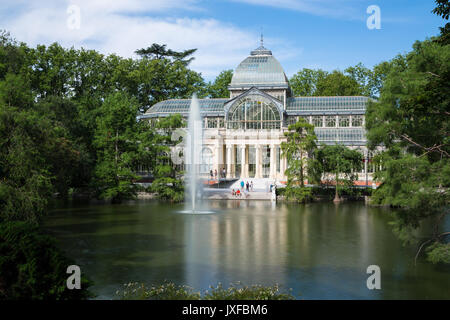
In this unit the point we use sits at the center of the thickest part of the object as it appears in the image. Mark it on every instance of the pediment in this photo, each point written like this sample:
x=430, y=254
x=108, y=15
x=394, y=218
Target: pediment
x=257, y=94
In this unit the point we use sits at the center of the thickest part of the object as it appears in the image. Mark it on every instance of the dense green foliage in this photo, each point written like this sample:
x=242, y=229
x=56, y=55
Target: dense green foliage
x=354, y=81
x=301, y=141
x=70, y=116
x=116, y=138
x=171, y=291
x=68, y=124
x=443, y=10
x=411, y=119
x=339, y=165
x=157, y=51
x=32, y=267
x=219, y=88
x=306, y=160
x=167, y=184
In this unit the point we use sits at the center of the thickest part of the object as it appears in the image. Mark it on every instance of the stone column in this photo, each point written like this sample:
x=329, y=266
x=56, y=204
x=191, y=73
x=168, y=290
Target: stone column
x=273, y=164
x=258, y=162
x=243, y=162
x=229, y=160
x=218, y=158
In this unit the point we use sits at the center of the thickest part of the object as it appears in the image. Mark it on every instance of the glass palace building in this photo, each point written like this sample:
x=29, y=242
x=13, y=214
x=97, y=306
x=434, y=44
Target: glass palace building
x=243, y=133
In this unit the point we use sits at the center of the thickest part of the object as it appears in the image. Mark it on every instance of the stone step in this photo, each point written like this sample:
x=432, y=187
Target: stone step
x=259, y=185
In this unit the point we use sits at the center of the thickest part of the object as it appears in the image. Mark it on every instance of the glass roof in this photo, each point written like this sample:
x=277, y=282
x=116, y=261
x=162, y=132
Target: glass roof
x=295, y=106
x=166, y=107
x=322, y=105
x=259, y=69
x=349, y=136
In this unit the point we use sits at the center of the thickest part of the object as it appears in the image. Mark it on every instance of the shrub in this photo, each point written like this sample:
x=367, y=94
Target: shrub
x=238, y=291
x=298, y=194
x=171, y=291
x=32, y=267
x=438, y=253
x=169, y=189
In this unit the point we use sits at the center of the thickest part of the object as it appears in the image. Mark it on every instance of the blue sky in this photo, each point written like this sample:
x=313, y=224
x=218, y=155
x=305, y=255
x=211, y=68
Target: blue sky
x=327, y=34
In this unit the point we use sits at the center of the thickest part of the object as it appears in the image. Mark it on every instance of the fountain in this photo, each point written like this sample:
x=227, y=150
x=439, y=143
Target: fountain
x=193, y=160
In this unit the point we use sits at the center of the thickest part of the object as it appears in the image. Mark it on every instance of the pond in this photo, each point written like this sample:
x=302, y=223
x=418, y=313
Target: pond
x=320, y=250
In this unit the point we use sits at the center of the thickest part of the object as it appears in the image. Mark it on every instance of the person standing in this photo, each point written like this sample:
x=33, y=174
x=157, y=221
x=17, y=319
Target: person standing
x=247, y=186
x=251, y=186
x=211, y=174
x=242, y=185
x=215, y=174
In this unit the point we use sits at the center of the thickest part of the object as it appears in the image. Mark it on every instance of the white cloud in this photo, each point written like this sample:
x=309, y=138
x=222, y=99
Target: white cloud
x=345, y=9
x=122, y=27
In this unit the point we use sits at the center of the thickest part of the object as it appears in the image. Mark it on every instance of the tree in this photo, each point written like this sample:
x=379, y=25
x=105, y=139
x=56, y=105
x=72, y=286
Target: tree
x=32, y=154
x=116, y=140
x=364, y=77
x=443, y=9
x=219, y=88
x=412, y=111
x=157, y=51
x=340, y=161
x=355, y=80
x=167, y=184
x=32, y=267
x=411, y=120
x=301, y=140
x=338, y=84
x=304, y=82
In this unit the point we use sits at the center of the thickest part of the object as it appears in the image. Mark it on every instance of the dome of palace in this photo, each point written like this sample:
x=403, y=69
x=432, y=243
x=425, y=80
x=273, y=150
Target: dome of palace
x=260, y=69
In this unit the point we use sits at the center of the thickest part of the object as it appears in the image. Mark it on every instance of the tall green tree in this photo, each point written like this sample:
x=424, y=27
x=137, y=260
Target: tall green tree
x=442, y=9
x=301, y=141
x=168, y=184
x=158, y=51
x=219, y=88
x=411, y=120
x=364, y=77
x=341, y=162
x=116, y=140
x=304, y=82
x=338, y=84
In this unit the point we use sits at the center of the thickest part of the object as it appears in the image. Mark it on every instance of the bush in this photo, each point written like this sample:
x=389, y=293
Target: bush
x=240, y=292
x=329, y=191
x=32, y=267
x=171, y=291
x=168, y=189
x=301, y=195
x=439, y=253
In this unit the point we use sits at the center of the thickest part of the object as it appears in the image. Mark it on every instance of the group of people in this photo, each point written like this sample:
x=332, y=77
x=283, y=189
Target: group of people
x=248, y=187
x=213, y=175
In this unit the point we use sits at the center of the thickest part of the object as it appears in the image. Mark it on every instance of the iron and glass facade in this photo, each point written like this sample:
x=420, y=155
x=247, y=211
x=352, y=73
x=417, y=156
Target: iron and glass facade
x=244, y=132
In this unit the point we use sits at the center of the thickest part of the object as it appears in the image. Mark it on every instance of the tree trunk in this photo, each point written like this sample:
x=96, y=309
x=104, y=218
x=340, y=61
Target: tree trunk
x=302, y=184
x=117, y=147
x=336, y=195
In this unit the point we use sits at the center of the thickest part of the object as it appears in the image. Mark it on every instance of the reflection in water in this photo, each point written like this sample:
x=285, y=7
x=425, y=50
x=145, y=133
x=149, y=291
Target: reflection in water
x=321, y=250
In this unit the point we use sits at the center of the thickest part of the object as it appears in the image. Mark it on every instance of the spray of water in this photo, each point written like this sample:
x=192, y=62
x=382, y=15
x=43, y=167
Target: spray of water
x=194, y=146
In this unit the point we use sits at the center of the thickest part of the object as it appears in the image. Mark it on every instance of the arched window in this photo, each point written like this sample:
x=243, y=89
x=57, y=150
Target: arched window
x=253, y=114
x=207, y=160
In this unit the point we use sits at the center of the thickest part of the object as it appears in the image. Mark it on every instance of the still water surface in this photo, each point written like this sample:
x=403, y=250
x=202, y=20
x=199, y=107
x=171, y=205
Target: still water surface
x=320, y=250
